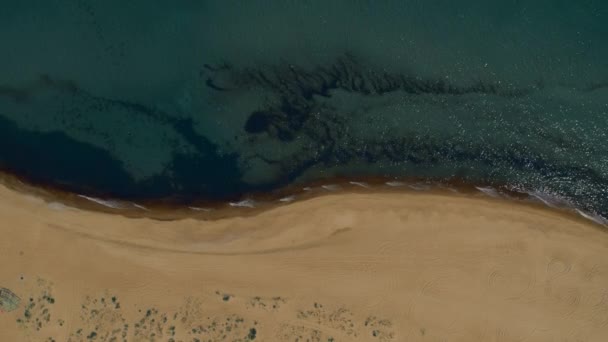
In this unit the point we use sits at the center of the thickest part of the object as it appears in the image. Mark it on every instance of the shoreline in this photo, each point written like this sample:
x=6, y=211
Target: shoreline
x=255, y=203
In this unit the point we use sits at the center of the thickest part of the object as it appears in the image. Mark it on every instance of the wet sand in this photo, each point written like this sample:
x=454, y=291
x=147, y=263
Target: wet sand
x=341, y=267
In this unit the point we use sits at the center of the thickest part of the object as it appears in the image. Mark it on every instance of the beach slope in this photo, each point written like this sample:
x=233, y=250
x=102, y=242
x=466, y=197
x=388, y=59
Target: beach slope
x=342, y=267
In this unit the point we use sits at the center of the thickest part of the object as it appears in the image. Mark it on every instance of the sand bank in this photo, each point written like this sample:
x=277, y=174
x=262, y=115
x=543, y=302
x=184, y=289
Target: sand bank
x=341, y=267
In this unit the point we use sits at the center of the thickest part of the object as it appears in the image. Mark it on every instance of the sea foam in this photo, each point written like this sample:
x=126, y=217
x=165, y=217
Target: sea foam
x=361, y=184
x=247, y=203
x=593, y=217
x=550, y=200
x=106, y=203
x=287, y=198
x=488, y=191
x=199, y=209
x=331, y=187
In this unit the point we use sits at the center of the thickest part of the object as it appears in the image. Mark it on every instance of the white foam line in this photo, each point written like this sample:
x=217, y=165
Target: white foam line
x=395, y=183
x=488, y=191
x=109, y=203
x=140, y=206
x=199, y=209
x=307, y=188
x=248, y=203
x=287, y=199
x=419, y=187
x=361, y=184
x=540, y=198
x=595, y=218
x=442, y=186
x=330, y=187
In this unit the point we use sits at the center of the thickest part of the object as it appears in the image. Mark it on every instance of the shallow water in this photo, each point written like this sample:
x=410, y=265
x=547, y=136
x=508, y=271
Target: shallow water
x=210, y=100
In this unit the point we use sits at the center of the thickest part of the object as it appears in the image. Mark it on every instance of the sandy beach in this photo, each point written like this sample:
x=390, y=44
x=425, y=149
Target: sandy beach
x=341, y=267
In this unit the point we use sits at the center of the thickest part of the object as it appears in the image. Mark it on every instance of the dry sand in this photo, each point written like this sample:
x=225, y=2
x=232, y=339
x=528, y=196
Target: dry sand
x=342, y=267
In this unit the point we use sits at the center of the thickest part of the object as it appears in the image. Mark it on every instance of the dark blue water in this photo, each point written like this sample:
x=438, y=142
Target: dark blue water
x=214, y=99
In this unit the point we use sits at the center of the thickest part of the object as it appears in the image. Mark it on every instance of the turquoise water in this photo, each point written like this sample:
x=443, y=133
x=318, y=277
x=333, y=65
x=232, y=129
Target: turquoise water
x=215, y=99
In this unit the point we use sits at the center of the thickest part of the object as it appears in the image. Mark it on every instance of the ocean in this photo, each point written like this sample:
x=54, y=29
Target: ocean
x=214, y=100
